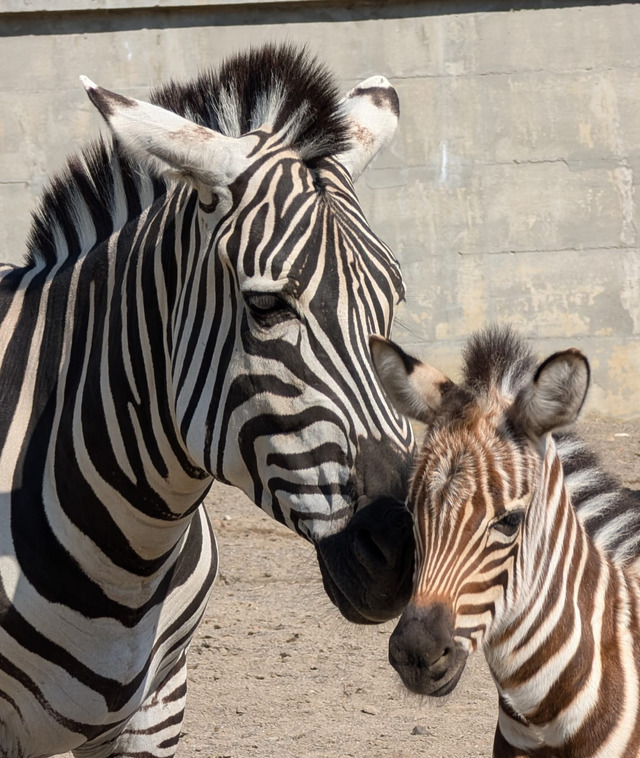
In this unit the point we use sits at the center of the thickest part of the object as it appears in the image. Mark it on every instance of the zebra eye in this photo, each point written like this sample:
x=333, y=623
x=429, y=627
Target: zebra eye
x=268, y=308
x=509, y=523
x=262, y=302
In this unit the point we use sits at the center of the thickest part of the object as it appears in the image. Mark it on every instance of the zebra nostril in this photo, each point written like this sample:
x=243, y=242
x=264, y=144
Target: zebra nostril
x=381, y=535
x=423, y=641
x=439, y=660
x=372, y=551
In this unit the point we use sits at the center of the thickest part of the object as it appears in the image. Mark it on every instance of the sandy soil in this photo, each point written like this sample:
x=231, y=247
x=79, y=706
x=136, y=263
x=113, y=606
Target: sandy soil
x=275, y=671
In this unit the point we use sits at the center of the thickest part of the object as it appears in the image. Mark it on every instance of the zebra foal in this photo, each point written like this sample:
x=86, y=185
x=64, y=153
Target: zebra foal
x=195, y=306
x=524, y=549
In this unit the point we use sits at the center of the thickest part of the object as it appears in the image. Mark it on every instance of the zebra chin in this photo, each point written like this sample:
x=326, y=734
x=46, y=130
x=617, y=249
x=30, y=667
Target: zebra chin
x=424, y=652
x=420, y=682
x=367, y=567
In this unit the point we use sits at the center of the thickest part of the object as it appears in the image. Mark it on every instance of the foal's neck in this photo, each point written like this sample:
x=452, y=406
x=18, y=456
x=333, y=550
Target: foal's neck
x=566, y=661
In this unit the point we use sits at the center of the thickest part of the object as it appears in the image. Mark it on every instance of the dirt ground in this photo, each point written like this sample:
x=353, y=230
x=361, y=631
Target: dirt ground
x=275, y=671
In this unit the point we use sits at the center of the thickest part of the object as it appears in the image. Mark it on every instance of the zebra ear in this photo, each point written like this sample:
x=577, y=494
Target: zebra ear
x=372, y=109
x=555, y=396
x=414, y=388
x=167, y=144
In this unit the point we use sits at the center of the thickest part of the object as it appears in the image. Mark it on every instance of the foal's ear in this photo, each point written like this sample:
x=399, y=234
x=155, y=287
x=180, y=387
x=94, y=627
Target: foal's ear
x=169, y=145
x=414, y=388
x=372, y=110
x=556, y=394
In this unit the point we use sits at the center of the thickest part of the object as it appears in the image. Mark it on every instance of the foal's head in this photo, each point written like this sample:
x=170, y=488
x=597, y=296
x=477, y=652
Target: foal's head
x=478, y=494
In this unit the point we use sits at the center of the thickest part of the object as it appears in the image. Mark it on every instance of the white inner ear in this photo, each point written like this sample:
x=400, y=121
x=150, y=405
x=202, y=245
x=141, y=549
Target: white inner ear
x=393, y=378
x=416, y=394
x=169, y=145
x=181, y=149
x=555, y=399
x=372, y=111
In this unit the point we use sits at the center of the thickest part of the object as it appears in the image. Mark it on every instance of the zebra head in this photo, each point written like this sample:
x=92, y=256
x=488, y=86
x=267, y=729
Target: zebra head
x=277, y=281
x=480, y=495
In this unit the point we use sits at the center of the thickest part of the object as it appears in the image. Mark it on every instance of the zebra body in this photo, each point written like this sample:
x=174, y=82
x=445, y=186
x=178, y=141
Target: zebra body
x=524, y=549
x=195, y=306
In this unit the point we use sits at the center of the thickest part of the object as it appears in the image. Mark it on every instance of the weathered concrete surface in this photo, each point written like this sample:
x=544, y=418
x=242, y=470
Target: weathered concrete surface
x=508, y=194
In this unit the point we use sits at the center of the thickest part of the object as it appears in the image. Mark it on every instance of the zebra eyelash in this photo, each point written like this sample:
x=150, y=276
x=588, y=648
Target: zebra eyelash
x=509, y=523
x=268, y=308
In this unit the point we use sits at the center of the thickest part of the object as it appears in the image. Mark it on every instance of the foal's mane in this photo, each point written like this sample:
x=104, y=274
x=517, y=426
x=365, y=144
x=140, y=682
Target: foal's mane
x=498, y=359
x=100, y=190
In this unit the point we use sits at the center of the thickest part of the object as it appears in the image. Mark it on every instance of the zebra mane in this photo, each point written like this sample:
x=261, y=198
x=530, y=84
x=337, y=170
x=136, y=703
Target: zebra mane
x=100, y=189
x=279, y=85
x=609, y=512
x=497, y=357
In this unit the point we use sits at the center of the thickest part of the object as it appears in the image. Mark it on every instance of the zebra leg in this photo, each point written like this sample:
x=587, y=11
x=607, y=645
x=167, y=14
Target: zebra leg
x=154, y=729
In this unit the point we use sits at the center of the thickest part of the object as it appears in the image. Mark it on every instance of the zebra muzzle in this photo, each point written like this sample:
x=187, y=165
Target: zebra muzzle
x=367, y=567
x=424, y=652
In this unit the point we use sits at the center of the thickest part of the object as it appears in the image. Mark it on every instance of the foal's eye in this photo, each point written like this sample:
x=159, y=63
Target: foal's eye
x=509, y=523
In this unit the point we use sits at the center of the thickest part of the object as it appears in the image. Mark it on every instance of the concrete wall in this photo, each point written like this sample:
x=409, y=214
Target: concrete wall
x=508, y=194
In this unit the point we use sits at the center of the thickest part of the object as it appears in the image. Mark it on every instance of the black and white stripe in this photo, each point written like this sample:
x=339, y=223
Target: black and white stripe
x=196, y=305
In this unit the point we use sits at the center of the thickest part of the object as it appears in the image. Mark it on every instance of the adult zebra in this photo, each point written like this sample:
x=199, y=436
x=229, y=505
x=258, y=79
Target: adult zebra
x=195, y=306
x=525, y=548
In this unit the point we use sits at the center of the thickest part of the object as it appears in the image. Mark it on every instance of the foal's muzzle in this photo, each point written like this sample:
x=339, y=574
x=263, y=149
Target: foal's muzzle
x=422, y=649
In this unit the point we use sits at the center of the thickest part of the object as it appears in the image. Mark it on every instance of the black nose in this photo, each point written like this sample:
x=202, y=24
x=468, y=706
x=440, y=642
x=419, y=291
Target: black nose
x=381, y=537
x=367, y=567
x=423, y=651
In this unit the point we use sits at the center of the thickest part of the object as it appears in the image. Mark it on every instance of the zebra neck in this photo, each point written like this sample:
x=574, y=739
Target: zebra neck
x=148, y=282
x=578, y=689
x=571, y=642
x=89, y=427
